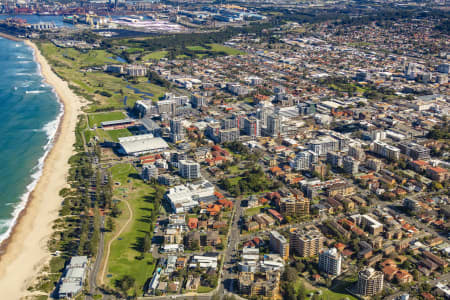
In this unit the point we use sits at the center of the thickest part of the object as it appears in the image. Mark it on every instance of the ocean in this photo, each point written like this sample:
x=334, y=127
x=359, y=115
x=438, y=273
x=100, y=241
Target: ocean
x=29, y=116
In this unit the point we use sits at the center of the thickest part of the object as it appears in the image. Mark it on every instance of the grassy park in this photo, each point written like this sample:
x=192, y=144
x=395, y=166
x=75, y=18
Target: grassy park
x=96, y=119
x=104, y=91
x=126, y=256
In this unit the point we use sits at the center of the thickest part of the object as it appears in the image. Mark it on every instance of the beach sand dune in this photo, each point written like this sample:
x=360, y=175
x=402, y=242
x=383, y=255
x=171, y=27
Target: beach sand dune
x=25, y=251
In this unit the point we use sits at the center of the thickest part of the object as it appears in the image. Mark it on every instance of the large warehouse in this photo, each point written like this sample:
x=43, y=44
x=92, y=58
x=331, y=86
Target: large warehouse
x=141, y=144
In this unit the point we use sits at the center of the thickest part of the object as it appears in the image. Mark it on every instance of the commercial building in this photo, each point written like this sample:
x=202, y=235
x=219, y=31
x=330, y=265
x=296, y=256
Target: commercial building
x=330, y=262
x=306, y=243
x=182, y=198
x=73, y=278
x=370, y=282
x=189, y=169
x=279, y=244
x=204, y=262
x=385, y=150
x=141, y=144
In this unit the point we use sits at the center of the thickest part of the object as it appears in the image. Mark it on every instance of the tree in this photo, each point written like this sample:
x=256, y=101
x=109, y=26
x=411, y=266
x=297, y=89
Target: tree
x=147, y=242
x=289, y=293
x=110, y=225
x=416, y=275
x=301, y=291
x=299, y=266
x=125, y=283
x=290, y=274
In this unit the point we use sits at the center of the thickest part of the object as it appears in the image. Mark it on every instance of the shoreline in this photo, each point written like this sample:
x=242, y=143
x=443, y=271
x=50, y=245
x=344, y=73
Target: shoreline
x=24, y=252
x=10, y=37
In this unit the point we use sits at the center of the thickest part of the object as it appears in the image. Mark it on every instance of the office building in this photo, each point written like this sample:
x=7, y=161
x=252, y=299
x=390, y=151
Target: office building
x=189, y=169
x=279, y=244
x=370, y=282
x=330, y=262
x=306, y=243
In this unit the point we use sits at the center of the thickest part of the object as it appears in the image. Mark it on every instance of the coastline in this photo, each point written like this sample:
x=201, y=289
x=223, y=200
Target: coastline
x=25, y=251
x=10, y=37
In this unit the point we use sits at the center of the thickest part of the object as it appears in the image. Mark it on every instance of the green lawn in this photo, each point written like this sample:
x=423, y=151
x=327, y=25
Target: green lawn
x=124, y=258
x=204, y=289
x=154, y=55
x=116, y=134
x=182, y=56
x=255, y=210
x=98, y=118
x=103, y=90
x=134, y=50
x=326, y=293
x=227, y=50
x=196, y=48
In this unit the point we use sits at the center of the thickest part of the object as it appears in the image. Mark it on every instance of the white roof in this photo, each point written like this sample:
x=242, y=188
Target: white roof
x=142, y=143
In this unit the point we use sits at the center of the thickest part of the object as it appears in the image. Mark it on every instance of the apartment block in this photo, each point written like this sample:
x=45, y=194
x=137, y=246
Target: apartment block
x=370, y=282
x=279, y=244
x=330, y=262
x=306, y=243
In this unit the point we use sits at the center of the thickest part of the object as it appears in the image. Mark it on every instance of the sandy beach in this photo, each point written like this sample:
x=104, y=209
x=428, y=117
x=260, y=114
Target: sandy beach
x=25, y=250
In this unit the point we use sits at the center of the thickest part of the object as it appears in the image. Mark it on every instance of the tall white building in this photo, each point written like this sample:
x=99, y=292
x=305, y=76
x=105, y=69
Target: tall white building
x=189, y=169
x=330, y=262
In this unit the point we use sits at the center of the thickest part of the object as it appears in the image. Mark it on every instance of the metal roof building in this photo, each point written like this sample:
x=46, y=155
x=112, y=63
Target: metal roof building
x=140, y=144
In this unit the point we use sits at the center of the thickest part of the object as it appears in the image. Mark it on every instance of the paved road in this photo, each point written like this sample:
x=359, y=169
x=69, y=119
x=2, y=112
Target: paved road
x=98, y=260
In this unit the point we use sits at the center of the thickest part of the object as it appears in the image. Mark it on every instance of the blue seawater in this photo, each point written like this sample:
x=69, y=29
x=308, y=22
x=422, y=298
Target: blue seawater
x=29, y=117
